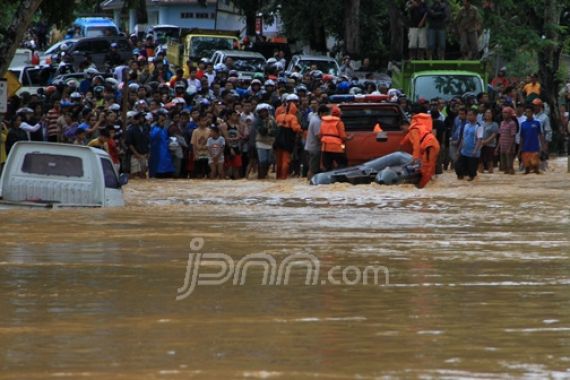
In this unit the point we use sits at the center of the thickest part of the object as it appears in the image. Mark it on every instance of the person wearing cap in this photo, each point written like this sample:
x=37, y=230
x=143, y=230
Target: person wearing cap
x=33, y=130
x=160, y=160
x=287, y=128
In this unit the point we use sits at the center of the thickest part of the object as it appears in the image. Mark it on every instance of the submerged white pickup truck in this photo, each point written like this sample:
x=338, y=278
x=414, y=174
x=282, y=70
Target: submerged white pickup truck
x=60, y=175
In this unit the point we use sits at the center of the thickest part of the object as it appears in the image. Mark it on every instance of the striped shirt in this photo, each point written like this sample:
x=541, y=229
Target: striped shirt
x=52, y=125
x=507, y=133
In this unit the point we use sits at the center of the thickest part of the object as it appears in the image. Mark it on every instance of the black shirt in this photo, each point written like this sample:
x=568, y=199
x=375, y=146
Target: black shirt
x=417, y=15
x=139, y=138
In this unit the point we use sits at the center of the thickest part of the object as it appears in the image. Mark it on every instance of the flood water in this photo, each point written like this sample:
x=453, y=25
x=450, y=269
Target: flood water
x=479, y=283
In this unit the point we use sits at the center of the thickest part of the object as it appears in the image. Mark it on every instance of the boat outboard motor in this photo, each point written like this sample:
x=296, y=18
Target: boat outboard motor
x=395, y=175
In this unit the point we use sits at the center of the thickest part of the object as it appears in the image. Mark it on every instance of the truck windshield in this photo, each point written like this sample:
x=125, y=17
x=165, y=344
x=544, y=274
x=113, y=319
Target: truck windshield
x=206, y=46
x=52, y=164
x=327, y=67
x=162, y=35
x=249, y=64
x=98, y=31
x=445, y=86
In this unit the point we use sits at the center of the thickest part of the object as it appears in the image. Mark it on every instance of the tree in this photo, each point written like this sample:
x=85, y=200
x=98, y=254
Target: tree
x=396, y=16
x=352, y=26
x=549, y=60
x=536, y=26
x=250, y=8
x=12, y=32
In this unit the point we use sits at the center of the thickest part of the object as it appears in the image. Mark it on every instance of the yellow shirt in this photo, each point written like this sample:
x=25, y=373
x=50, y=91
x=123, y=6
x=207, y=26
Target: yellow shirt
x=3, y=137
x=530, y=88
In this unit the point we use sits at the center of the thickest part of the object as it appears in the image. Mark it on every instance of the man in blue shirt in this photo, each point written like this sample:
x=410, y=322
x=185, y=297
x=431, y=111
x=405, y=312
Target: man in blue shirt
x=456, y=134
x=469, y=147
x=532, y=139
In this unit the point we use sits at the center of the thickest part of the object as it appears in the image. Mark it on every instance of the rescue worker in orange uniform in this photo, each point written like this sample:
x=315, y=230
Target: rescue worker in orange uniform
x=425, y=147
x=333, y=138
x=287, y=128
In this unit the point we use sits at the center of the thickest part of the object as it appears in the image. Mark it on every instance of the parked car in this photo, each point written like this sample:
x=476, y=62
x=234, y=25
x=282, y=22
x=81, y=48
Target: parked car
x=96, y=26
x=323, y=63
x=33, y=78
x=56, y=175
x=97, y=48
x=360, y=114
x=246, y=63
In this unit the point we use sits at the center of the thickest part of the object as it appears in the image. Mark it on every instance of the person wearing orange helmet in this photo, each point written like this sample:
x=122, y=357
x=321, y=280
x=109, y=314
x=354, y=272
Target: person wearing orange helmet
x=333, y=138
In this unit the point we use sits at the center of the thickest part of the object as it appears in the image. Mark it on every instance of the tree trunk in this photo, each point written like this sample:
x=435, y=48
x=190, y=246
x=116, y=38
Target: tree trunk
x=352, y=26
x=14, y=33
x=396, y=31
x=250, y=21
x=318, y=39
x=549, y=64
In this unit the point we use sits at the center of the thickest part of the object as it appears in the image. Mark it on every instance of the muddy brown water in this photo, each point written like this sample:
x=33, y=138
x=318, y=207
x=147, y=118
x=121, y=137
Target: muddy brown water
x=479, y=283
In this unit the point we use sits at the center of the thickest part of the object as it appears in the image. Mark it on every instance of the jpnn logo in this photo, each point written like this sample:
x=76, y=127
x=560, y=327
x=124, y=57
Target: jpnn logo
x=274, y=274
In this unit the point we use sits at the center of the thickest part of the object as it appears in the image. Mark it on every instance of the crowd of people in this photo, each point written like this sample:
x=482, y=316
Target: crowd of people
x=212, y=123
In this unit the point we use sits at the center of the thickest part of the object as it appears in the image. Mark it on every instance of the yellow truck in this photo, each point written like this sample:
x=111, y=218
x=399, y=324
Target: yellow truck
x=199, y=43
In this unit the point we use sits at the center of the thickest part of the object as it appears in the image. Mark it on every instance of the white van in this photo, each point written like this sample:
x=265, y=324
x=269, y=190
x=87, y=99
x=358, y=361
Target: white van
x=60, y=175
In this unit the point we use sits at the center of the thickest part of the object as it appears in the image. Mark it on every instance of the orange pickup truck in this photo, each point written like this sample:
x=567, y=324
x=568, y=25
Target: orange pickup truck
x=360, y=113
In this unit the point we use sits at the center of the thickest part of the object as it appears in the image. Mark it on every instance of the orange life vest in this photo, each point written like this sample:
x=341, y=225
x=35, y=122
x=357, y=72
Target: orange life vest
x=332, y=134
x=421, y=125
x=429, y=148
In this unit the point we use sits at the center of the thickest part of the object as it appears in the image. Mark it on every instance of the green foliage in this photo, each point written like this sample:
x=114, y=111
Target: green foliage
x=8, y=10
x=374, y=30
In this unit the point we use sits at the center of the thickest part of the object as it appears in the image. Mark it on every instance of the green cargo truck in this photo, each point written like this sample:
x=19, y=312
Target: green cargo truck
x=440, y=79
